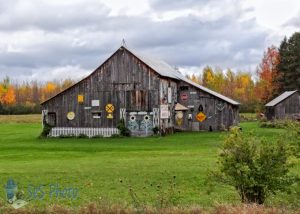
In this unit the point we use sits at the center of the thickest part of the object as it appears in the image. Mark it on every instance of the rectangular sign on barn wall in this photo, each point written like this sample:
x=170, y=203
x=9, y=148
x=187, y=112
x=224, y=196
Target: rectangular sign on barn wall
x=164, y=112
x=95, y=103
x=169, y=95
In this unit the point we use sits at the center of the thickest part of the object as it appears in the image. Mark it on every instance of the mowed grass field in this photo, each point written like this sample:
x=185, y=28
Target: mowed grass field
x=104, y=169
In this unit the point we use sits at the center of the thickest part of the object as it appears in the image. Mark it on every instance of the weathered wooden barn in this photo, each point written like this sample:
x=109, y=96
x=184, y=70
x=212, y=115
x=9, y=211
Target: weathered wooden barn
x=285, y=106
x=145, y=92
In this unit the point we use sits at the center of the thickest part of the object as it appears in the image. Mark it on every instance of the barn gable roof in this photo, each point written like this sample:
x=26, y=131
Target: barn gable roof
x=164, y=70
x=280, y=98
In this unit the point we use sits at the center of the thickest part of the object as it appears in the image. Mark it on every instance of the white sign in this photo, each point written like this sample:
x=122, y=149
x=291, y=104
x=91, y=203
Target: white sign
x=193, y=92
x=142, y=113
x=169, y=95
x=95, y=103
x=164, y=111
x=87, y=108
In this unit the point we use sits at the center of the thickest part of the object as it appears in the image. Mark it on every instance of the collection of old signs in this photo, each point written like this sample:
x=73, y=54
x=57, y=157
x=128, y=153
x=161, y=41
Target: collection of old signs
x=109, y=108
x=146, y=122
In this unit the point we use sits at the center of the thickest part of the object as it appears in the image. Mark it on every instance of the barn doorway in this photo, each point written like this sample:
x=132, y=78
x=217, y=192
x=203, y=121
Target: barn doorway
x=51, y=118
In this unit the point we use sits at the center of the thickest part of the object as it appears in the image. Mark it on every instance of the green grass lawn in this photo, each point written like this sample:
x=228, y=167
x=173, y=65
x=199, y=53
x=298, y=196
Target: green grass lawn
x=103, y=169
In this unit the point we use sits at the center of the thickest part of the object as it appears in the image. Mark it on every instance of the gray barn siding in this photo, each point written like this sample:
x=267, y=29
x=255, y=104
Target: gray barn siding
x=285, y=109
x=116, y=81
x=126, y=82
x=215, y=119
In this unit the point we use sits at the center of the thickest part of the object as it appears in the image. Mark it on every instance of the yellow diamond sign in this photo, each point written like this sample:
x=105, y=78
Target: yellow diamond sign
x=201, y=116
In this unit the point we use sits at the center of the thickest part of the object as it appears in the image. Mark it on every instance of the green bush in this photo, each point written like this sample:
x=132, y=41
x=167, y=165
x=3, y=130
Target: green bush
x=124, y=131
x=46, y=130
x=155, y=130
x=254, y=167
x=280, y=124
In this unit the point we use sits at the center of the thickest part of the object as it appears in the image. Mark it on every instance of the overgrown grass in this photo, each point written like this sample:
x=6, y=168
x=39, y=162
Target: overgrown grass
x=109, y=209
x=105, y=168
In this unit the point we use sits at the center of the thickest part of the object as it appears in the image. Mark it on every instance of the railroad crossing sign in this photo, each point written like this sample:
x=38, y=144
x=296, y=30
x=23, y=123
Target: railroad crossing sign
x=201, y=116
x=109, y=108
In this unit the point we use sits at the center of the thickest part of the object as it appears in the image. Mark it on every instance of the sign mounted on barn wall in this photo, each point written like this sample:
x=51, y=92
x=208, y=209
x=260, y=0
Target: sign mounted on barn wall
x=95, y=103
x=109, y=108
x=164, y=112
x=71, y=115
x=179, y=118
x=184, y=96
x=220, y=106
x=80, y=98
x=201, y=116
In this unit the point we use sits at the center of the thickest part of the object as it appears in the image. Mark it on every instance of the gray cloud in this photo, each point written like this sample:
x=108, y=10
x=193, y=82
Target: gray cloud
x=80, y=36
x=294, y=21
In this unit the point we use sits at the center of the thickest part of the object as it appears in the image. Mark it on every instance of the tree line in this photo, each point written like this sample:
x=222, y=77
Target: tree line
x=278, y=71
x=25, y=97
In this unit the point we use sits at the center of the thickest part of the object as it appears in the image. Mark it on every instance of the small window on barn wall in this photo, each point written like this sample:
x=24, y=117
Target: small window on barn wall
x=51, y=118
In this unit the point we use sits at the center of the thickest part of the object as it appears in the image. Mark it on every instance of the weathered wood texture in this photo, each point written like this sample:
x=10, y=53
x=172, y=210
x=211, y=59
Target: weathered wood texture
x=287, y=109
x=219, y=114
x=137, y=93
x=124, y=81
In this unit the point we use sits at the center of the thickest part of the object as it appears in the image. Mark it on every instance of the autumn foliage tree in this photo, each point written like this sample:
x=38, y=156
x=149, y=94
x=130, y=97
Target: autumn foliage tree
x=25, y=97
x=267, y=85
x=237, y=85
x=7, y=93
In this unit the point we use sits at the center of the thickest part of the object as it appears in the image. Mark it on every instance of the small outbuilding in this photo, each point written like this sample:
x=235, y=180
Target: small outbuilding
x=285, y=106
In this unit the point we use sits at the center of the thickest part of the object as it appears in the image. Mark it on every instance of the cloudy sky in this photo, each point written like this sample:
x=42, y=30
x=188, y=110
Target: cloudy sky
x=53, y=39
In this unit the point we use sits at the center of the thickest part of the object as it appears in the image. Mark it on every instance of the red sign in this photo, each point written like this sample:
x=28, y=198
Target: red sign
x=184, y=96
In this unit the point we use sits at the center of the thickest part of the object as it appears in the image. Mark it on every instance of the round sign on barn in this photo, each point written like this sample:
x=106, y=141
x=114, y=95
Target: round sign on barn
x=71, y=115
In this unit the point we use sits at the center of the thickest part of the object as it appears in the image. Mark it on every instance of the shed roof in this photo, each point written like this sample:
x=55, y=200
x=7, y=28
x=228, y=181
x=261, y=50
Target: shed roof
x=280, y=98
x=180, y=107
x=166, y=70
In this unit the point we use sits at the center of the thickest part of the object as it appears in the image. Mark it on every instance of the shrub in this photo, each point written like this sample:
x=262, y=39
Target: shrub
x=254, y=167
x=46, y=130
x=280, y=124
x=155, y=130
x=124, y=131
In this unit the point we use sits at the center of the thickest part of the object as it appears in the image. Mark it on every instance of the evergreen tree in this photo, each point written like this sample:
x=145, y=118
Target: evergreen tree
x=289, y=65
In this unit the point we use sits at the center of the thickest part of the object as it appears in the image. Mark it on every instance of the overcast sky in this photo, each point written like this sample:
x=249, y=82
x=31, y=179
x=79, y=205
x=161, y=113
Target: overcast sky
x=53, y=39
